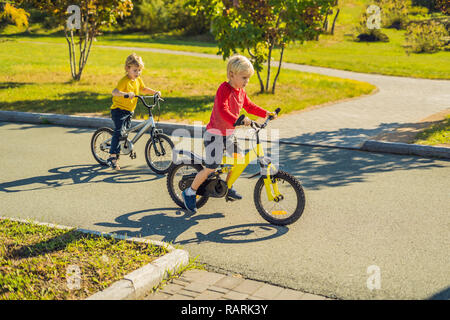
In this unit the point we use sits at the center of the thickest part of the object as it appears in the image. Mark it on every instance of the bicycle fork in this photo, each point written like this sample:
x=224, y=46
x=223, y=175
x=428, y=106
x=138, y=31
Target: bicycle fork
x=156, y=139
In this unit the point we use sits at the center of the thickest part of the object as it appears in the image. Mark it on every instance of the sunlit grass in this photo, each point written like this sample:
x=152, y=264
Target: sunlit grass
x=438, y=133
x=37, y=262
x=36, y=77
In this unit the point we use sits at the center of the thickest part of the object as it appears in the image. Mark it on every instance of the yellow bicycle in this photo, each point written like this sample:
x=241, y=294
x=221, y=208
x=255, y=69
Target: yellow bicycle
x=278, y=196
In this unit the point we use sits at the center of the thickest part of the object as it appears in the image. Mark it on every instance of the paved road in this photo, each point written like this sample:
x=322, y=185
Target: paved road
x=362, y=209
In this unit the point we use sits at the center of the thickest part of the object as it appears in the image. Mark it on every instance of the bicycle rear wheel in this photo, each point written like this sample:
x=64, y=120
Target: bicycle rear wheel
x=100, y=144
x=158, y=153
x=285, y=211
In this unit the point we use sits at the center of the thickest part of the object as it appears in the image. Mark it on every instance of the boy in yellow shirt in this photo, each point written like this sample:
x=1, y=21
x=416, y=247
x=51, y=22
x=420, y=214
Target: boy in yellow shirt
x=122, y=108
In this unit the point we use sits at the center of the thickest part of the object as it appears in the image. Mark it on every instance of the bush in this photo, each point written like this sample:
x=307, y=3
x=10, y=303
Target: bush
x=418, y=11
x=368, y=35
x=12, y=15
x=429, y=4
x=443, y=6
x=374, y=35
x=156, y=16
x=425, y=37
x=394, y=14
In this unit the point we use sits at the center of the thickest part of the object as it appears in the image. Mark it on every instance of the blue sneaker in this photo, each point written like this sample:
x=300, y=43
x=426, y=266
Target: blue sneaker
x=190, y=202
x=232, y=193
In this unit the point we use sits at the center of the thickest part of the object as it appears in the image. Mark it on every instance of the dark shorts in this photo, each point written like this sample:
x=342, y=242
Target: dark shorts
x=215, y=145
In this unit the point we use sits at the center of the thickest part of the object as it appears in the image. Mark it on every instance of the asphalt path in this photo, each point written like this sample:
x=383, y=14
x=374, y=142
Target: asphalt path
x=370, y=218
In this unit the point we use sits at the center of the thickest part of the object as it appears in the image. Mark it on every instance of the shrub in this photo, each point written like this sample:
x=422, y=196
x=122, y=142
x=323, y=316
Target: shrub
x=368, y=35
x=156, y=16
x=425, y=37
x=429, y=4
x=443, y=6
x=394, y=14
x=418, y=11
x=12, y=15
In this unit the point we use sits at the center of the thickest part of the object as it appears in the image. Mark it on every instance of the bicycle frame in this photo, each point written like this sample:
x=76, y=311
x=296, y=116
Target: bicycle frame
x=147, y=124
x=239, y=163
x=144, y=126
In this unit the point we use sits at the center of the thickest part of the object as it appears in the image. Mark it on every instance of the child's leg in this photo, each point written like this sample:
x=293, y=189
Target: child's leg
x=214, y=151
x=233, y=149
x=121, y=119
x=200, y=178
x=214, y=145
x=116, y=117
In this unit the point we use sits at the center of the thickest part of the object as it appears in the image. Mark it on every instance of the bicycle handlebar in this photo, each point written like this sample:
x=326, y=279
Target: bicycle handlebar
x=240, y=120
x=156, y=98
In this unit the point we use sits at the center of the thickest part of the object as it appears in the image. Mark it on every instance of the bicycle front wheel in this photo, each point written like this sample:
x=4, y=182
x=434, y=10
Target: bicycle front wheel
x=286, y=210
x=158, y=153
x=100, y=144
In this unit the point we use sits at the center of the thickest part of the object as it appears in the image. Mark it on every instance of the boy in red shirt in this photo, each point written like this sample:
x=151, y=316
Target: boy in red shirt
x=230, y=99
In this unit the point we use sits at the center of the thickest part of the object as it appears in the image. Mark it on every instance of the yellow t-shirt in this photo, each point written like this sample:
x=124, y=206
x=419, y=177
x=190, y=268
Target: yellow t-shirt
x=127, y=85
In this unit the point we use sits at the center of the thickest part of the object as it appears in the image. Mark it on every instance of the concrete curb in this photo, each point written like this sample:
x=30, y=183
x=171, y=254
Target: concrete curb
x=169, y=128
x=86, y=122
x=404, y=148
x=140, y=282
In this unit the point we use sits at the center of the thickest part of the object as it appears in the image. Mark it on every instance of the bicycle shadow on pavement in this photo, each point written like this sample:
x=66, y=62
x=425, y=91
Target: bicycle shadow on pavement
x=171, y=223
x=78, y=174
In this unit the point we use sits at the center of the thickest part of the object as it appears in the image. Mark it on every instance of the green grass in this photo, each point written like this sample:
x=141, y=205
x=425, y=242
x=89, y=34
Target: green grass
x=334, y=51
x=438, y=133
x=379, y=58
x=36, y=77
x=35, y=260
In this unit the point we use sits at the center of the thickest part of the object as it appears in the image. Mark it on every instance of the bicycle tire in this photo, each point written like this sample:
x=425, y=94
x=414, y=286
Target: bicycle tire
x=151, y=157
x=288, y=217
x=175, y=191
x=96, y=147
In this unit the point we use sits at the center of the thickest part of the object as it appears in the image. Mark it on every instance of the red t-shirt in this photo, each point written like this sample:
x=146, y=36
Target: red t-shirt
x=227, y=107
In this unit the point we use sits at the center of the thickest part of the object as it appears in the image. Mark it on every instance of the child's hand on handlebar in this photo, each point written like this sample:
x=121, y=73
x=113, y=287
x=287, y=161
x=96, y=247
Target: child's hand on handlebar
x=129, y=95
x=272, y=114
x=247, y=121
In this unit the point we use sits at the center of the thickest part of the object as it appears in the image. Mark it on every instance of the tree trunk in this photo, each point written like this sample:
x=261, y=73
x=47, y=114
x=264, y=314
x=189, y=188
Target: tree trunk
x=72, y=56
x=261, y=84
x=279, y=69
x=334, y=21
x=325, y=23
x=269, y=58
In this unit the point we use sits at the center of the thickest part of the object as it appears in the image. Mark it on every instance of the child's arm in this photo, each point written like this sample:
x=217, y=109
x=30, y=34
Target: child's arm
x=147, y=90
x=254, y=109
x=117, y=93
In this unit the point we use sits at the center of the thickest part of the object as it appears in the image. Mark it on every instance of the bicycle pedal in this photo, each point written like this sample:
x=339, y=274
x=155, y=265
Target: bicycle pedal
x=133, y=155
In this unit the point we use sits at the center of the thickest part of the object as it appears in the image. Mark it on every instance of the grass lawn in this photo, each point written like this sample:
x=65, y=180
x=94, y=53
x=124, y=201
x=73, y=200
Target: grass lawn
x=437, y=134
x=36, y=77
x=36, y=262
x=334, y=51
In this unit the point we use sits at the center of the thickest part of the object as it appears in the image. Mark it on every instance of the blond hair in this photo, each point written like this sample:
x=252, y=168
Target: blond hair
x=238, y=64
x=134, y=60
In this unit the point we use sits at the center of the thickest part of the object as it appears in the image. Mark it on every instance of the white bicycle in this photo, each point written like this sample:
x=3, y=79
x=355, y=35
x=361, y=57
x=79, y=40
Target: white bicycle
x=158, y=150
